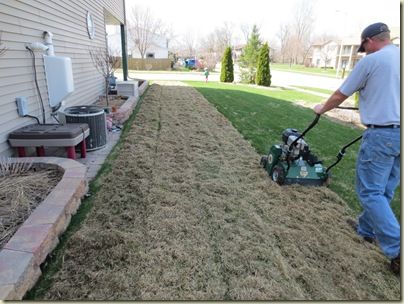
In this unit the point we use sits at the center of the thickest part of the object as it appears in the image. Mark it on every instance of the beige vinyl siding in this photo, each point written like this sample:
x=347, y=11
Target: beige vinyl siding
x=23, y=22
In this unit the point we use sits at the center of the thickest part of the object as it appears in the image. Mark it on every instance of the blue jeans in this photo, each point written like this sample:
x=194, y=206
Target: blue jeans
x=377, y=177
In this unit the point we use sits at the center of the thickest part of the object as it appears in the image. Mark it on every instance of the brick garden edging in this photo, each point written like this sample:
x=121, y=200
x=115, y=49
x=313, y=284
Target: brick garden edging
x=122, y=114
x=21, y=257
x=124, y=111
x=143, y=87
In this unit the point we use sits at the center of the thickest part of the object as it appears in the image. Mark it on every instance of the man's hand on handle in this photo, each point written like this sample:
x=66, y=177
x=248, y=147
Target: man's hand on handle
x=334, y=101
x=318, y=109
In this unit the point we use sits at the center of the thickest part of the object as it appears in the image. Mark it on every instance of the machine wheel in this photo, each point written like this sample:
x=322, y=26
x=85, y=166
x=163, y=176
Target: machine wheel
x=278, y=175
x=264, y=161
x=327, y=181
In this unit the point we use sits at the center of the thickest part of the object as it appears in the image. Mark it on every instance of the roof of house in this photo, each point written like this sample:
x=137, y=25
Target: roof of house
x=323, y=43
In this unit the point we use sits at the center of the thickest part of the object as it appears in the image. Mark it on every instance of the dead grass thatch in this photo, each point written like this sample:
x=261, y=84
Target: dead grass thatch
x=22, y=188
x=186, y=213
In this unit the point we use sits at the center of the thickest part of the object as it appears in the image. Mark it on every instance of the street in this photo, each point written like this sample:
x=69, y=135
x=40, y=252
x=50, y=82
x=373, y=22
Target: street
x=279, y=78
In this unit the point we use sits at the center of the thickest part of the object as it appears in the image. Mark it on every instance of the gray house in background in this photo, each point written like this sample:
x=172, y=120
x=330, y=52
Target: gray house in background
x=76, y=26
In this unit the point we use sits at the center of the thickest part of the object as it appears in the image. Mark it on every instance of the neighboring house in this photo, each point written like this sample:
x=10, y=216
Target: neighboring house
x=158, y=47
x=335, y=54
x=77, y=26
x=342, y=54
x=324, y=54
x=237, y=51
x=395, y=35
x=348, y=54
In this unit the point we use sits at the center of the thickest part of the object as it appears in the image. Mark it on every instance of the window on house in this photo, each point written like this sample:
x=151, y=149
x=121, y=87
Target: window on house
x=344, y=63
x=150, y=55
x=346, y=50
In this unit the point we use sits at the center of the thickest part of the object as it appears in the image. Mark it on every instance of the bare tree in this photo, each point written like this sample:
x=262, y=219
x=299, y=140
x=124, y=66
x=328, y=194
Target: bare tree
x=302, y=28
x=190, y=44
x=143, y=28
x=167, y=31
x=246, y=30
x=3, y=48
x=284, y=38
x=224, y=37
x=326, y=53
x=207, y=51
x=106, y=64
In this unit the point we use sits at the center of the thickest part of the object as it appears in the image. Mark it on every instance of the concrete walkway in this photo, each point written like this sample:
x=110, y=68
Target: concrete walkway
x=96, y=158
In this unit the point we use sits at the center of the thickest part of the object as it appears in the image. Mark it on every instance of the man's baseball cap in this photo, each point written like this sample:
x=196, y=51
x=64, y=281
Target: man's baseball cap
x=370, y=31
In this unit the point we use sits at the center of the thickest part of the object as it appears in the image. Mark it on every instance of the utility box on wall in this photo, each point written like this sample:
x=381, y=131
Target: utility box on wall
x=59, y=78
x=127, y=88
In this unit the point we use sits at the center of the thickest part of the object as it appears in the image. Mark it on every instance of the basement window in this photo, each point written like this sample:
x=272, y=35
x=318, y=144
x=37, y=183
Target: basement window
x=150, y=55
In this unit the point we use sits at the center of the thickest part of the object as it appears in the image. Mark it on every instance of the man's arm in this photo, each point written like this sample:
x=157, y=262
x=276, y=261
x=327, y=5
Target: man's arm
x=333, y=101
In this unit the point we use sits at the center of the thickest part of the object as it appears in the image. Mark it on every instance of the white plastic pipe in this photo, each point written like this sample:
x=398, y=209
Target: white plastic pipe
x=47, y=36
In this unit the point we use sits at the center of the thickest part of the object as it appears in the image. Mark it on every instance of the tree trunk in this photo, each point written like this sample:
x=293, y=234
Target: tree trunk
x=106, y=91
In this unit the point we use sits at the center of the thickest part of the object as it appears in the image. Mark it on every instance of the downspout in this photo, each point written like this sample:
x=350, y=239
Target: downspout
x=123, y=45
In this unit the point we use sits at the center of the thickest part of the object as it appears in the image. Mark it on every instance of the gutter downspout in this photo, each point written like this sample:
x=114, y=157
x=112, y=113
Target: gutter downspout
x=123, y=45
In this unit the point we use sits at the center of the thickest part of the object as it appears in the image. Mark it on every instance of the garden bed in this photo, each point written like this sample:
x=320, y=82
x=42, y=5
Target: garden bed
x=36, y=229
x=20, y=193
x=121, y=107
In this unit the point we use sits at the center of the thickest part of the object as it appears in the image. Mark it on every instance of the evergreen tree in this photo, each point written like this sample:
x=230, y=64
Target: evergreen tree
x=227, y=71
x=263, y=72
x=249, y=57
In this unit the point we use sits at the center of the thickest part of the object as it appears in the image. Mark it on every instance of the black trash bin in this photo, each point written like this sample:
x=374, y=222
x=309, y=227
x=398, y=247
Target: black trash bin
x=94, y=116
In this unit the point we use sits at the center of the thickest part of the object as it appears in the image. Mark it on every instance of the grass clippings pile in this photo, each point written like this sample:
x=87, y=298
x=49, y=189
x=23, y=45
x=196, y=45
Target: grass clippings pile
x=186, y=213
x=22, y=189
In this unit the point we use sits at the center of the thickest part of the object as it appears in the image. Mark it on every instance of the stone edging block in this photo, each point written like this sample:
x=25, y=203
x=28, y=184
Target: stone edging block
x=38, y=236
x=124, y=112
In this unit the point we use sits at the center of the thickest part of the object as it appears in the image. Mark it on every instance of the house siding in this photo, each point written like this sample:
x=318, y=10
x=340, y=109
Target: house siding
x=23, y=22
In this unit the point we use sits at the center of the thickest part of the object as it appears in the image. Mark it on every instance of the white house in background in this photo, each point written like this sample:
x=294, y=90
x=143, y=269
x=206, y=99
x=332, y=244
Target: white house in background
x=336, y=54
x=340, y=54
x=158, y=48
x=325, y=54
x=395, y=35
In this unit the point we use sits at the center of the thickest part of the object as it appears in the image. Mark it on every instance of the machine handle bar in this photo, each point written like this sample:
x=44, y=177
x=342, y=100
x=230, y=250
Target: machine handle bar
x=314, y=122
x=342, y=153
x=348, y=108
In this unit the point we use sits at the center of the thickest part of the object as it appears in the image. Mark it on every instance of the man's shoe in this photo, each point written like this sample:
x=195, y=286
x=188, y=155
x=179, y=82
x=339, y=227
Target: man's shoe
x=395, y=265
x=354, y=226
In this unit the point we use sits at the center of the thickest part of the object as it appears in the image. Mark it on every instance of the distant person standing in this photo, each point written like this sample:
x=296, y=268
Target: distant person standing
x=377, y=79
x=206, y=74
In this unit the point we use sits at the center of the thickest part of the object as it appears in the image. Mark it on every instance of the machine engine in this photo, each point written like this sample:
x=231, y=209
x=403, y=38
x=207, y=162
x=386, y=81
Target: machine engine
x=300, y=148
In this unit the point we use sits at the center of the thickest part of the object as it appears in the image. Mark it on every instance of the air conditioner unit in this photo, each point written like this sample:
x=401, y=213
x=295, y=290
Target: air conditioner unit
x=127, y=88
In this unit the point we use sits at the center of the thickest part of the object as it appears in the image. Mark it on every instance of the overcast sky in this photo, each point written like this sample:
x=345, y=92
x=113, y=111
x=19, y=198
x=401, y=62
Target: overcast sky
x=342, y=17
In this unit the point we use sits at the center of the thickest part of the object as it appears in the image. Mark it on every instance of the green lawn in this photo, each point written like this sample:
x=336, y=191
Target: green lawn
x=261, y=115
x=298, y=68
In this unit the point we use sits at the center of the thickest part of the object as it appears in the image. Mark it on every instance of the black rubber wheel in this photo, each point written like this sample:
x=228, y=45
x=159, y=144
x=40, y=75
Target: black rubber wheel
x=327, y=181
x=278, y=175
x=264, y=161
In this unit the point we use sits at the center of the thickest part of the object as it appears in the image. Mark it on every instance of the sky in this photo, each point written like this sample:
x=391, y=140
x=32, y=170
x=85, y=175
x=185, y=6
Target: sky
x=342, y=17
